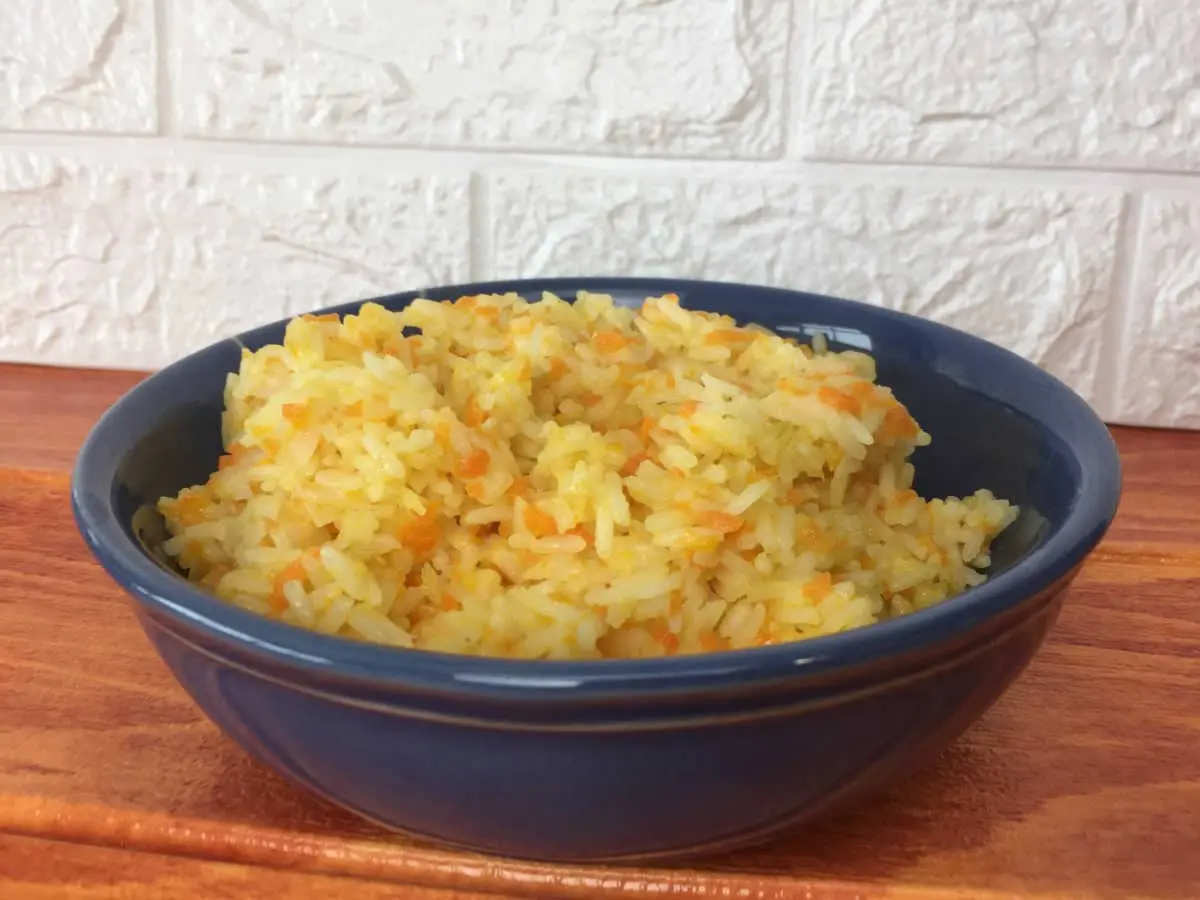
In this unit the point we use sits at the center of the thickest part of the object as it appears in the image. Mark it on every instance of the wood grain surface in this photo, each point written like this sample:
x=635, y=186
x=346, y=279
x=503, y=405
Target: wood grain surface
x=1083, y=781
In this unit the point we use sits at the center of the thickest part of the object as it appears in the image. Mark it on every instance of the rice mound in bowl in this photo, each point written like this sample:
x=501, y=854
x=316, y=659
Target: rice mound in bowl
x=557, y=480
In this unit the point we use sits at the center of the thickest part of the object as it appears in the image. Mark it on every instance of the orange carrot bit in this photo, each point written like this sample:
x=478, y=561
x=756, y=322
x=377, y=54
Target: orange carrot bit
x=505, y=530
x=905, y=496
x=449, y=603
x=476, y=490
x=688, y=408
x=633, y=464
x=897, y=423
x=821, y=585
x=558, y=367
x=520, y=486
x=422, y=534
x=671, y=298
x=539, y=522
x=296, y=414
x=583, y=532
x=645, y=427
x=670, y=642
x=589, y=399
x=468, y=302
x=724, y=522
x=474, y=416
x=190, y=508
x=749, y=555
x=610, y=341
x=225, y=462
x=710, y=641
x=293, y=571
x=327, y=317
x=727, y=336
x=354, y=409
x=474, y=464
x=861, y=390
x=838, y=400
x=488, y=312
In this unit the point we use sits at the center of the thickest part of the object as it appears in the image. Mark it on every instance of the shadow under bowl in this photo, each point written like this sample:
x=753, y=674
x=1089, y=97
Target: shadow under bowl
x=623, y=760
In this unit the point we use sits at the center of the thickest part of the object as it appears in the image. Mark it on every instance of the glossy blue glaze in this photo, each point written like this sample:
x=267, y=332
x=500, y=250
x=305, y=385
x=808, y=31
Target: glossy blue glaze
x=617, y=760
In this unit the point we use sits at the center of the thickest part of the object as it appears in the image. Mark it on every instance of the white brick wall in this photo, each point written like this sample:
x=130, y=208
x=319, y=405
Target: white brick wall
x=1029, y=170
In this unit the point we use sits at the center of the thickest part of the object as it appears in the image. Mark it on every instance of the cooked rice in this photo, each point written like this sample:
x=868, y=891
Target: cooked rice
x=556, y=480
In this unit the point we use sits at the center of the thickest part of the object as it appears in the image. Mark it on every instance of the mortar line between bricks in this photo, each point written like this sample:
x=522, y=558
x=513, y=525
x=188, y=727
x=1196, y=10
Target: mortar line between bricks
x=1116, y=345
x=164, y=74
x=480, y=259
x=798, y=85
x=102, y=147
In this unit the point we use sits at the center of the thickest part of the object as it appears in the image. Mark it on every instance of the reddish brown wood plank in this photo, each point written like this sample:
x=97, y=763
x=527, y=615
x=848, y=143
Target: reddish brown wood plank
x=33, y=869
x=1084, y=781
x=46, y=413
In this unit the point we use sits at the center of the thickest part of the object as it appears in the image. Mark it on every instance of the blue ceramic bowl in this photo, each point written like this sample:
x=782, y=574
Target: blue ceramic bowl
x=623, y=760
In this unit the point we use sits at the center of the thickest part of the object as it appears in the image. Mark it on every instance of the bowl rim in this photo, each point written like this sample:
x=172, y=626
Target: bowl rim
x=275, y=643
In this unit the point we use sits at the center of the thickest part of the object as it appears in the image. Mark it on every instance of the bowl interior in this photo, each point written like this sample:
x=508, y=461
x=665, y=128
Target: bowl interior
x=982, y=438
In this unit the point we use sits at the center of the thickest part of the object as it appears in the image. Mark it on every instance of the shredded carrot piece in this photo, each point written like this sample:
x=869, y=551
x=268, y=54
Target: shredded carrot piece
x=897, y=423
x=670, y=642
x=688, y=408
x=821, y=585
x=749, y=555
x=476, y=489
x=908, y=495
x=671, y=298
x=505, y=529
x=633, y=464
x=449, y=602
x=644, y=428
x=539, y=522
x=583, y=532
x=861, y=390
x=354, y=409
x=610, y=341
x=520, y=486
x=474, y=415
x=728, y=336
x=589, y=399
x=488, y=312
x=796, y=496
x=558, y=367
x=422, y=534
x=724, y=522
x=190, y=508
x=296, y=413
x=293, y=571
x=468, y=302
x=474, y=463
x=415, y=340
x=225, y=461
x=838, y=400
x=710, y=641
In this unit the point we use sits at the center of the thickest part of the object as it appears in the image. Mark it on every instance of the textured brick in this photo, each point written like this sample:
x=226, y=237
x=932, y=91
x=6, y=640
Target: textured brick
x=630, y=76
x=77, y=65
x=135, y=265
x=1072, y=81
x=1162, y=379
x=1030, y=270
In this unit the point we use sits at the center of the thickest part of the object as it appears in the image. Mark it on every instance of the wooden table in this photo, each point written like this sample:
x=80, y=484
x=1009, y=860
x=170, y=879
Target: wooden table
x=1084, y=781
